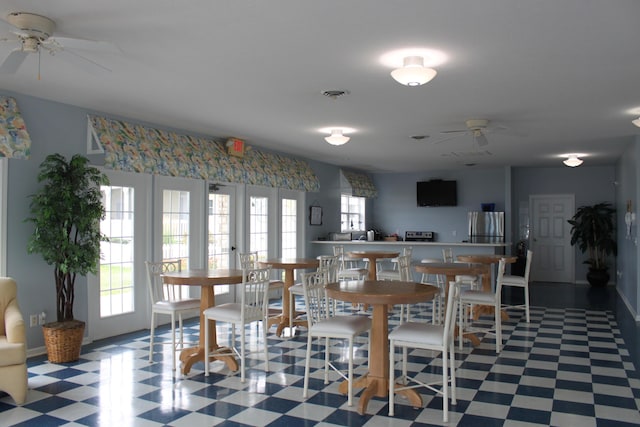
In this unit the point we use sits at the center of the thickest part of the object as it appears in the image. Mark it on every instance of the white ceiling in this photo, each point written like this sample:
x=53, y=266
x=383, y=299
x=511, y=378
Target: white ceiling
x=553, y=76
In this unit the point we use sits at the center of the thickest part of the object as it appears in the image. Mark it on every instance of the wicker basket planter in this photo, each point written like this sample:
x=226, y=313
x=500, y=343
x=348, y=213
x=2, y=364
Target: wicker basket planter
x=63, y=340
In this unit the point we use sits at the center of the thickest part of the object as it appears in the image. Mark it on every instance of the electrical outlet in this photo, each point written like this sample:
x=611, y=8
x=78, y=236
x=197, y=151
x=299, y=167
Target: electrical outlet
x=33, y=320
x=42, y=318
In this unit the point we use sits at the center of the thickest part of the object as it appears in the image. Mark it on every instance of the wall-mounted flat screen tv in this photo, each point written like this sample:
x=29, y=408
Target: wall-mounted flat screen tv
x=437, y=192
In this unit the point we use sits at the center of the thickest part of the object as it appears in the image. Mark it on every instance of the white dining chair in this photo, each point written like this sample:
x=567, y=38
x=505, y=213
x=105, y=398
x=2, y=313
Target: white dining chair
x=350, y=269
x=426, y=336
x=171, y=300
x=470, y=297
x=251, y=308
x=323, y=323
x=520, y=282
x=387, y=268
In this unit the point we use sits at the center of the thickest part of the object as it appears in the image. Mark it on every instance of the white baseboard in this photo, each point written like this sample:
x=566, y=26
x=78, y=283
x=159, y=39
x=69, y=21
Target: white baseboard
x=633, y=313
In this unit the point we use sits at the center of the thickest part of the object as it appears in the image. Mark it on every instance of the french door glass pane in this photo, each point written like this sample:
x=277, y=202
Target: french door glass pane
x=219, y=229
x=289, y=231
x=116, y=263
x=258, y=226
x=175, y=226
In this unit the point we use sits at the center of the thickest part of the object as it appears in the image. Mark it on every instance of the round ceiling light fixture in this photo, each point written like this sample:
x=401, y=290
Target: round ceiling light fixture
x=413, y=72
x=337, y=137
x=572, y=161
x=636, y=122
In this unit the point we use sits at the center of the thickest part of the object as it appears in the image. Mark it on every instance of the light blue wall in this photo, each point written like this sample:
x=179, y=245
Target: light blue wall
x=589, y=185
x=395, y=210
x=628, y=188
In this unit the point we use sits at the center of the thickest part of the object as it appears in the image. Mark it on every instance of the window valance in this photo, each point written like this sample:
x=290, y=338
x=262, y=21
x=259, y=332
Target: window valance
x=14, y=138
x=359, y=184
x=136, y=148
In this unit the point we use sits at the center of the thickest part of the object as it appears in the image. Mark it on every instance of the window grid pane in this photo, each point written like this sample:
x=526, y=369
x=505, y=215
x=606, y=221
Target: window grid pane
x=116, y=262
x=175, y=226
x=218, y=241
x=259, y=221
x=289, y=230
x=352, y=215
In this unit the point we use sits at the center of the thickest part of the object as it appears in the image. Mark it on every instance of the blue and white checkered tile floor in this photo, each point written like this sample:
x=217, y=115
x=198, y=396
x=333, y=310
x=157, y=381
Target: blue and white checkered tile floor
x=568, y=367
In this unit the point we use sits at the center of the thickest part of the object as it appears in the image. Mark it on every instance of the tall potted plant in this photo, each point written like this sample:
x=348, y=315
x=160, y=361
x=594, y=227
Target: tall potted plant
x=593, y=230
x=66, y=212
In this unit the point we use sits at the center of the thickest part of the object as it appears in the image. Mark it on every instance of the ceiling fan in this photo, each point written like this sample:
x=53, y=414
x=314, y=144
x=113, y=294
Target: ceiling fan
x=477, y=128
x=34, y=33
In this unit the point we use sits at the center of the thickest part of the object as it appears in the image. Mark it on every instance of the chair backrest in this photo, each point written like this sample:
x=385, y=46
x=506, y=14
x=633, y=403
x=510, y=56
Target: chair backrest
x=248, y=260
x=330, y=264
x=407, y=250
x=315, y=296
x=450, y=313
x=255, y=293
x=338, y=250
x=158, y=291
x=447, y=254
x=404, y=268
x=527, y=267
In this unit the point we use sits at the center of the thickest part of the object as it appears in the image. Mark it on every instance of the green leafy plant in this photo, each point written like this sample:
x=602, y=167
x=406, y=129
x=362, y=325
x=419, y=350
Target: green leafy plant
x=593, y=230
x=66, y=212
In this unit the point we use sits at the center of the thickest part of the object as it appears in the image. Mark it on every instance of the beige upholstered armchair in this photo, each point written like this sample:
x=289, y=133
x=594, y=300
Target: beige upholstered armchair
x=13, y=346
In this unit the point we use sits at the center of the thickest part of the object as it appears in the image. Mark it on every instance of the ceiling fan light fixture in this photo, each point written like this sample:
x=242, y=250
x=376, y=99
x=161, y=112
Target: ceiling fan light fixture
x=413, y=72
x=636, y=122
x=337, y=138
x=572, y=161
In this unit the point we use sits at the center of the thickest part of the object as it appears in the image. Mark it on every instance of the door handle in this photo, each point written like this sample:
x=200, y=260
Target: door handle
x=233, y=248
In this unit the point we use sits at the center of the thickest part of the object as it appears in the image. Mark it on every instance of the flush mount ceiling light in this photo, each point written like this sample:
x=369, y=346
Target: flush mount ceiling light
x=572, y=161
x=336, y=137
x=413, y=72
x=636, y=122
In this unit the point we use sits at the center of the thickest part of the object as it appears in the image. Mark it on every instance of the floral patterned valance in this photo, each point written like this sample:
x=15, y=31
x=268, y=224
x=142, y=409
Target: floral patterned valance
x=136, y=148
x=359, y=183
x=14, y=138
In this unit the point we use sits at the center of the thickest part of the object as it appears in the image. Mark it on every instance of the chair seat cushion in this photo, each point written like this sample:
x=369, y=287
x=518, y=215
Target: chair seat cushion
x=12, y=353
x=418, y=333
x=184, y=304
x=232, y=313
x=509, y=280
x=479, y=297
x=296, y=289
x=343, y=325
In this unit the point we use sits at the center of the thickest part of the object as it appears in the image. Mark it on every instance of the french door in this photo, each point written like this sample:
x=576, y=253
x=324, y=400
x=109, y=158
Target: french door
x=118, y=297
x=221, y=234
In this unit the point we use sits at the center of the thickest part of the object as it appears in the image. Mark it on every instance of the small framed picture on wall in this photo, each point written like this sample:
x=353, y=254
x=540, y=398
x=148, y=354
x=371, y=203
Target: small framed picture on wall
x=315, y=215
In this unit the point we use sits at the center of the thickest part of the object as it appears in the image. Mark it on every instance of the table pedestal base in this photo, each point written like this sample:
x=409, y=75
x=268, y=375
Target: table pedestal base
x=189, y=356
x=378, y=387
x=487, y=310
x=283, y=322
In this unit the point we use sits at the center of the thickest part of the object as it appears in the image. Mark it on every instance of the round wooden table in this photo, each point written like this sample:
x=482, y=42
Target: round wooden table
x=380, y=294
x=206, y=279
x=372, y=256
x=288, y=265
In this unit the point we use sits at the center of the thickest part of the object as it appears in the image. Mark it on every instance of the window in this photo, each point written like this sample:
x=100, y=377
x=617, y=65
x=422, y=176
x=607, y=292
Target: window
x=352, y=215
x=289, y=228
x=259, y=226
x=175, y=225
x=116, y=264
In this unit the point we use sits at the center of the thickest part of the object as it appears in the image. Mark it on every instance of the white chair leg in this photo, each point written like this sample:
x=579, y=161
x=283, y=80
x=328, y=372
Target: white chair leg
x=181, y=342
x=292, y=309
x=305, y=390
x=242, y=358
x=350, y=374
x=391, y=377
x=526, y=302
x=498, y=320
x=461, y=326
x=445, y=388
x=206, y=347
x=452, y=367
x=326, y=360
x=266, y=348
x=173, y=339
x=152, y=332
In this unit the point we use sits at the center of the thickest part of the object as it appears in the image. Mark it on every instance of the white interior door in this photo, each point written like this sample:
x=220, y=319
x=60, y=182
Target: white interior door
x=221, y=231
x=118, y=298
x=553, y=255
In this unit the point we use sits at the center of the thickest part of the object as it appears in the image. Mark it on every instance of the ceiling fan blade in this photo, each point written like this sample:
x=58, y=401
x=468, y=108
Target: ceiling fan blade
x=13, y=61
x=480, y=139
x=455, y=131
x=81, y=61
x=84, y=44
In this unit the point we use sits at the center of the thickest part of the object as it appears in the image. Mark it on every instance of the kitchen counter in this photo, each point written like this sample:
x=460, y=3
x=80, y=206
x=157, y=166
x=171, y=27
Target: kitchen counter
x=414, y=244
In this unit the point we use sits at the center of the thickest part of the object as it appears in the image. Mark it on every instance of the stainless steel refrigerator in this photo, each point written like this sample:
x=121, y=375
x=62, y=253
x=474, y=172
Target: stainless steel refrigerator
x=486, y=227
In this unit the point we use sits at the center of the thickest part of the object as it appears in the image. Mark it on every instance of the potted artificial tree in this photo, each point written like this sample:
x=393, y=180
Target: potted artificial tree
x=593, y=230
x=66, y=213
